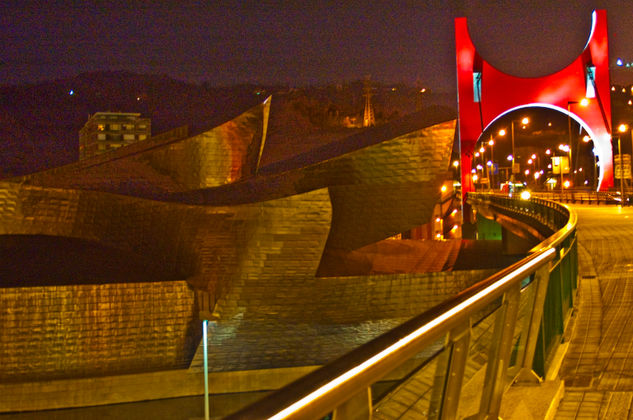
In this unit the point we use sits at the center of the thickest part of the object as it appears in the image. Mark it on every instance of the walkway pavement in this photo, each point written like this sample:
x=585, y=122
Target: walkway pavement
x=598, y=366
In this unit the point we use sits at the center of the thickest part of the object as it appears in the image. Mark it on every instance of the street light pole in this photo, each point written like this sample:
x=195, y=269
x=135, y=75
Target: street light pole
x=621, y=129
x=512, y=136
x=562, y=182
x=570, y=143
x=491, y=143
x=583, y=102
x=595, y=170
x=621, y=172
x=525, y=121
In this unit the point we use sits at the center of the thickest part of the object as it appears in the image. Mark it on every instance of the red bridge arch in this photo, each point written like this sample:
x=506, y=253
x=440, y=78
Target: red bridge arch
x=485, y=94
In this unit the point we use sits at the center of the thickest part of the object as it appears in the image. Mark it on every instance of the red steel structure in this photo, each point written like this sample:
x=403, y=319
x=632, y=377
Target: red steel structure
x=485, y=94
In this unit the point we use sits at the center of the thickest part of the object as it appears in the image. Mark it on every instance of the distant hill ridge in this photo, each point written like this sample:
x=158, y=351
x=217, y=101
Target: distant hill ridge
x=39, y=123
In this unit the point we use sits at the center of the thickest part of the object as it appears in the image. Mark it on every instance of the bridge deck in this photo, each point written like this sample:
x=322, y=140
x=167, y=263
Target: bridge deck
x=598, y=366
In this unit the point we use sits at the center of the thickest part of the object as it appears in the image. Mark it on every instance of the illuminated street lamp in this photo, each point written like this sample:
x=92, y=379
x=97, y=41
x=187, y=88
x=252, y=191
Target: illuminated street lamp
x=621, y=129
x=582, y=102
x=502, y=132
x=567, y=149
x=491, y=174
x=524, y=121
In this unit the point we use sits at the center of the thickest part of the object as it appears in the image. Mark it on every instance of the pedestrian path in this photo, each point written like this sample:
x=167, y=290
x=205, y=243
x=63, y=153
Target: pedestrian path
x=598, y=367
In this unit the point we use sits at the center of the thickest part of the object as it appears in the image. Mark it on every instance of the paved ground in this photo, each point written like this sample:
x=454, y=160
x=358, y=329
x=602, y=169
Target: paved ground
x=598, y=367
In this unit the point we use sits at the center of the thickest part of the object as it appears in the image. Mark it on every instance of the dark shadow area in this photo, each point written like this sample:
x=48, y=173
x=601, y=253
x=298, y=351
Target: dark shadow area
x=390, y=257
x=483, y=254
x=40, y=260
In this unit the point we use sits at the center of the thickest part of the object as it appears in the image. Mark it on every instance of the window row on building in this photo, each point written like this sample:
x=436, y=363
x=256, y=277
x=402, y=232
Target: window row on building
x=105, y=131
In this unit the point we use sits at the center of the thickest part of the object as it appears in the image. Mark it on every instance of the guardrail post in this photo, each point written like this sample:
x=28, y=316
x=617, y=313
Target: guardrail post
x=541, y=281
x=356, y=408
x=459, y=340
x=499, y=354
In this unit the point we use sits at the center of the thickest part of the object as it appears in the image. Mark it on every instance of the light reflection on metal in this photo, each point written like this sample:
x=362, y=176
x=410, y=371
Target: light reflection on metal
x=205, y=324
x=203, y=207
x=404, y=341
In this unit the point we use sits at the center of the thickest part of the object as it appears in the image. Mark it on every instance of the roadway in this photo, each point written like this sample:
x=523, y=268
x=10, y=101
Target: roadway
x=598, y=366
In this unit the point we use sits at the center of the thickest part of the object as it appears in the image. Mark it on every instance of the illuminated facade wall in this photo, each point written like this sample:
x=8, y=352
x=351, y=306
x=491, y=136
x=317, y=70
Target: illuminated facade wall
x=486, y=93
x=51, y=332
x=204, y=209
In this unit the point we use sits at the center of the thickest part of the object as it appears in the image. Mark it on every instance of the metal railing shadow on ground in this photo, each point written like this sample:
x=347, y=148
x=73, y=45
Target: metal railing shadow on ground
x=456, y=359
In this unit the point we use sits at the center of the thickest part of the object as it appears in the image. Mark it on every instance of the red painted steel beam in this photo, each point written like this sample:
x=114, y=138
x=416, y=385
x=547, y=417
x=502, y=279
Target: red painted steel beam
x=501, y=93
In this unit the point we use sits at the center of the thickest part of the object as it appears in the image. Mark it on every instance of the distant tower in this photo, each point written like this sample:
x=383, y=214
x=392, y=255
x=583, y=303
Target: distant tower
x=368, y=117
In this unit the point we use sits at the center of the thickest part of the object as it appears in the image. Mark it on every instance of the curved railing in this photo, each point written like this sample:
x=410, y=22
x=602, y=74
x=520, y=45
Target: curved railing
x=457, y=358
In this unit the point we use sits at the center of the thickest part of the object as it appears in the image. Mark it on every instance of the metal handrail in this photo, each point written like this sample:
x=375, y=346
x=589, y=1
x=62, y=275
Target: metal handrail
x=552, y=241
x=327, y=388
x=581, y=196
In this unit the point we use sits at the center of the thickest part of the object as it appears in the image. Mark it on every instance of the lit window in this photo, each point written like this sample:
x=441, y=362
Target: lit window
x=128, y=126
x=101, y=146
x=142, y=126
x=115, y=126
x=128, y=137
x=142, y=136
x=100, y=127
x=101, y=136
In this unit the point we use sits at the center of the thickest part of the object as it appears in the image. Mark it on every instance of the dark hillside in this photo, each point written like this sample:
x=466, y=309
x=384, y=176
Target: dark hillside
x=39, y=123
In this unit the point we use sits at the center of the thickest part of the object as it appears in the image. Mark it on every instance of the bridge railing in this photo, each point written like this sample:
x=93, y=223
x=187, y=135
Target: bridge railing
x=456, y=359
x=583, y=196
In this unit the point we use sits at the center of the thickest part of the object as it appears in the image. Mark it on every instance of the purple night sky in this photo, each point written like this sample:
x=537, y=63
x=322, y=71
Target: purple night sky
x=298, y=43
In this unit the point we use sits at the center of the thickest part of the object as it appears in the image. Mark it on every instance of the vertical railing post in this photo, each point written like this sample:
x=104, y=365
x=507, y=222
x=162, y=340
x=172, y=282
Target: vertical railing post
x=572, y=267
x=541, y=282
x=499, y=354
x=356, y=408
x=561, y=281
x=458, y=342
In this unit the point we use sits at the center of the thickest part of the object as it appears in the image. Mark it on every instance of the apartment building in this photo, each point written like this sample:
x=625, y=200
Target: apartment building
x=106, y=131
